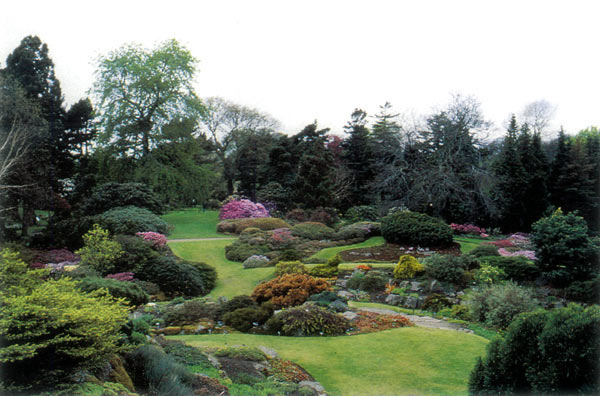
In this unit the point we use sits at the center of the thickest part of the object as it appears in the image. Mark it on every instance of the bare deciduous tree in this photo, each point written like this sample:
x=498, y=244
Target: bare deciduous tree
x=538, y=115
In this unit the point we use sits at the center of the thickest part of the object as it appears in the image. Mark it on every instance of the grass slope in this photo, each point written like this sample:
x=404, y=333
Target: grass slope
x=193, y=223
x=415, y=361
x=467, y=244
x=328, y=253
x=232, y=278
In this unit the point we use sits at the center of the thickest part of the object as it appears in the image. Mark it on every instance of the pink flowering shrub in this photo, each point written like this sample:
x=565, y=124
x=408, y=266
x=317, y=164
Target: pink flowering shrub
x=468, y=229
x=521, y=240
x=282, y=237
x=242, y=208
x=529, y=254
x=57, y=256
x=121, y=276
x=502, y=243
x=157, y=239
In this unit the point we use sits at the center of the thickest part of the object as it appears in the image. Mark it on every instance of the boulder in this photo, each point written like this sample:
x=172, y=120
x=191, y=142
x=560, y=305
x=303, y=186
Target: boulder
x=394, y=299
x=345, y=294
x=119, y=375
x=435, y=287
x=404, y=284
x=350, y=315
x=313, y=385
x=415, y=286
x=411, y=302
x=270, y=352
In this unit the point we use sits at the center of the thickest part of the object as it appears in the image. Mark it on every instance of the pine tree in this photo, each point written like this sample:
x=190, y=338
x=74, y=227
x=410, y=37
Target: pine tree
x=358, y=158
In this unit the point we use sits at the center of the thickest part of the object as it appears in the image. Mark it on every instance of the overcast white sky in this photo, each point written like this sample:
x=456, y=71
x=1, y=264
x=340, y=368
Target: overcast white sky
x=307, y=60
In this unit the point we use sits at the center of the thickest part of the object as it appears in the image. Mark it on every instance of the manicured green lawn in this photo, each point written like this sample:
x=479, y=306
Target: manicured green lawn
x=467, y=244
x=328, y=253
x=193, y=223
x=407, y=361
x=232, y=278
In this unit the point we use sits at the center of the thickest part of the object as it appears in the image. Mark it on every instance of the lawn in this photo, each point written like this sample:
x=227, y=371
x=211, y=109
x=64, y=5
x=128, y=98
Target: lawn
x=328, y=253
x=415, y=360
x=232, y=279
x=193, y=223
x=468, y=243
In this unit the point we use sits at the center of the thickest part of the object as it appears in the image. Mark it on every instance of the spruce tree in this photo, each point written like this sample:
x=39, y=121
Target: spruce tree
x=358, y=158
x=533, y=160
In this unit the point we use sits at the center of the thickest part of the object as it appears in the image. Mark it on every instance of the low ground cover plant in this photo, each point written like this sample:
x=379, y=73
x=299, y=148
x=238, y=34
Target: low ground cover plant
x=236, y=226
x=308, y=321
x=313, y=231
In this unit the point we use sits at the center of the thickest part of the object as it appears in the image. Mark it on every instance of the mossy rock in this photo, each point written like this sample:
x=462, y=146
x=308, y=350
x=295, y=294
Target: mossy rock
x=119, y=375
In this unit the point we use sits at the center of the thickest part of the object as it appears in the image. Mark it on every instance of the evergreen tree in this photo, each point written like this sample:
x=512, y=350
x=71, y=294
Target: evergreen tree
x=313, y=182
x=358, y=158
x=511, y=178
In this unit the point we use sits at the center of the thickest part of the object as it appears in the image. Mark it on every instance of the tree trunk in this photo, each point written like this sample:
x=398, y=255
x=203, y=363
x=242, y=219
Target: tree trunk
x=28, y=219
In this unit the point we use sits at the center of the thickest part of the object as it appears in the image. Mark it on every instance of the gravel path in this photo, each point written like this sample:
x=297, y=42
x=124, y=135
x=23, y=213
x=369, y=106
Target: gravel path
x=422, y=321
x=199, y=239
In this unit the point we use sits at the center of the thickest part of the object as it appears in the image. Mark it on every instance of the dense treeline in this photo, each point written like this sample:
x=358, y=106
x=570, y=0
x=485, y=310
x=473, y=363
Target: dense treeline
x=147, y=125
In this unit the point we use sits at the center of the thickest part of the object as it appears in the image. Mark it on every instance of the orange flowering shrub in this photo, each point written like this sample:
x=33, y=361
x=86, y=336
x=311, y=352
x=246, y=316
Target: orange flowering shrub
x=364, y=267
x=289, y=290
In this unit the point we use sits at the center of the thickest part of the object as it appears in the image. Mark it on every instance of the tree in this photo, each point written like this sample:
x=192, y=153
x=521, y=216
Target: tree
x=358, y=158
x=79, y=126
x=538, y=115
x=225, y=123
x=139, y=91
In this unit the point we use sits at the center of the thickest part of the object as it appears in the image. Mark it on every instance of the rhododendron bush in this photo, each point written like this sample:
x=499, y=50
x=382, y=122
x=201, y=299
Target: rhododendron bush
x=529, y=254
x=157, y=239
x=468, y=229
x=242, y=208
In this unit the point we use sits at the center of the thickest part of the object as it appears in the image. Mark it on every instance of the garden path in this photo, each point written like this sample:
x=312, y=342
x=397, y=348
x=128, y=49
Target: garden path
x=422, y=321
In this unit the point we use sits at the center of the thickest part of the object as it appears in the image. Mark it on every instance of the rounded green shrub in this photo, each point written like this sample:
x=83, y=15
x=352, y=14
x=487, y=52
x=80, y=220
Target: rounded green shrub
x=323, y=271
x=189, y=313
x=372, y=281
x=112, y=195
x=237, y=302
x=178, y=278
x=361, y=213
x=408, y=267
x=130, y=219
x=484, y=250
x=130, y=291
x=240, y=251
x=243, y=319
x=446, y=268
x=290, y=267
x=516, y=268
x=413, y=228
x=360, y=230
x=313, y=231
x=308, y=321
x=435, y=302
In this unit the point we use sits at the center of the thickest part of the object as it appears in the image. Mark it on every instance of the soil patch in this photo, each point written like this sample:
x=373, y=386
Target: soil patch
x=392, y=252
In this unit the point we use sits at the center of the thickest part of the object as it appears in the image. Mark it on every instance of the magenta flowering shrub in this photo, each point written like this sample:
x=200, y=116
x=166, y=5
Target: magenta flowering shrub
x=529, y=254
x=157, y=239
x=502, y=243
x=282, y=237
x=57, y=256
x=122, y=276
x=242, y=208
x=468, y=229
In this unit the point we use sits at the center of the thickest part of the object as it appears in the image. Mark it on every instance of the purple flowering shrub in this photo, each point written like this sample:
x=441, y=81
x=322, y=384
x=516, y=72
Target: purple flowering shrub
x=157, y=239
x=242, y=208
x=529, y=254
x=468, y=229
x=122, y=276
x=57, y=256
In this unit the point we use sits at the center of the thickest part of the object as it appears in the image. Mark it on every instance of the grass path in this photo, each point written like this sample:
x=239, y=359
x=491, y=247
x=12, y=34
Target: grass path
x=328, y=253
x=407, y=361
x=193, y=224
x=232, y=278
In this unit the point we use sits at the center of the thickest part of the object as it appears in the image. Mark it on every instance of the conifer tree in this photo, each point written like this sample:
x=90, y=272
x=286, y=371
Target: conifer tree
x=358, y=158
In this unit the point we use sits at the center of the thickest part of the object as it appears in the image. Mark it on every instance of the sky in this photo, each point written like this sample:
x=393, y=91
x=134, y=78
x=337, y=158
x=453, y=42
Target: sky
x=307, y=60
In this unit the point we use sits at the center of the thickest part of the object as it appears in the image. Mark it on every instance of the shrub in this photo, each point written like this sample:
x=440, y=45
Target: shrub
x=130, y=291
x=467, y=229
x=157, y=240
x=290, y=255
x=308, y=321
x=51, y=328
x=190, y=312
x=257, y=261
x=122, y=276
x=131, y=220
x=488, y=274
x=497, y=305
x=282, y=238
x=113, y=195
x=334, y=261
x=584, y=291
x=298, y=215
x=460, y=311
x=55, y=256
x=446, y=268
x=240, y=251
x=361, y=213
x=528, y=254
x=290, y=267
x=237, y=302
x=313, y=231
x=99, y=251
x=241, y=209
x=372, y=281
x=207, y=273
x=543, y=352
x=178, y=278
x=360, y=230
x=243, y=319
x=243, y=353
x=323, y=271
x=324, y=298
x=484, y=250
x=518, y=269
x=406, y=227
x=157, y=373
x=237, y=226
x=408, y=267
x=435, y=302
x=288, y=290
x=135, y=254
x=565, y=251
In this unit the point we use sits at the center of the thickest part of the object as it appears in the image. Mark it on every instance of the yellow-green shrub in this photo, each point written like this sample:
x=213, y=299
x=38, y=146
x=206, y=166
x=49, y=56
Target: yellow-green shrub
x=407, y=267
